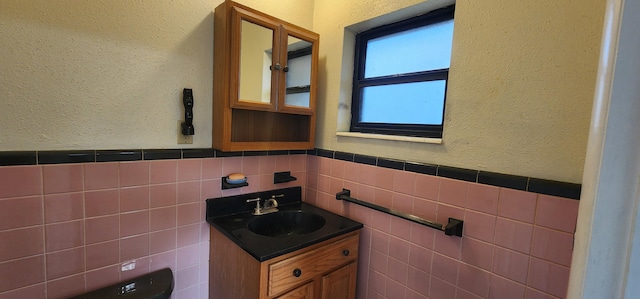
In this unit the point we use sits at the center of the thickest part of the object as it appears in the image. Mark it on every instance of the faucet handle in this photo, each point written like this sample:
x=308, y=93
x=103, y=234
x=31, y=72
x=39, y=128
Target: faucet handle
x=257, y=210
x=279, y=195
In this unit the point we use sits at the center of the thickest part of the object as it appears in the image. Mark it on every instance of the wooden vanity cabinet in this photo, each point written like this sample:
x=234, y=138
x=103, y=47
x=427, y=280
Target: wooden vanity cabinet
x=264, y=89
x=324, y=270
x=303, y=292
x=340, y=283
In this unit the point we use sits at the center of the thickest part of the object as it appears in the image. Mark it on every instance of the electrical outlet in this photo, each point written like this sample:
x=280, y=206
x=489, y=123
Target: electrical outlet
x=128, y=266
x=182, y=139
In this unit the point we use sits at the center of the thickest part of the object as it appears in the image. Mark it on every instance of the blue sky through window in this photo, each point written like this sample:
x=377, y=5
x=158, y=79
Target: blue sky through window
x=410, y=103
x=420, y=49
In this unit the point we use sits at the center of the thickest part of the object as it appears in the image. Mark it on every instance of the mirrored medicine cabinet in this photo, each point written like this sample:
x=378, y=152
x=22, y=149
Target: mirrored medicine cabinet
x=265, y=73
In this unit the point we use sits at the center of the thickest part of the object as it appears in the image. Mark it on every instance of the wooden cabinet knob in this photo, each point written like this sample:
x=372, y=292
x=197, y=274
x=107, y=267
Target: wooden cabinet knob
x=345, y=252
x=297, y=272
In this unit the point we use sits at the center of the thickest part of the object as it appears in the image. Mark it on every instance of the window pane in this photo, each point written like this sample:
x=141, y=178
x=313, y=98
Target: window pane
x=419, y=103
x=420, y=49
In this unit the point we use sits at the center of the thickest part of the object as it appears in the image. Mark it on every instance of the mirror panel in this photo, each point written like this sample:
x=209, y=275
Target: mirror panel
x=255, y=61
x=299, y=72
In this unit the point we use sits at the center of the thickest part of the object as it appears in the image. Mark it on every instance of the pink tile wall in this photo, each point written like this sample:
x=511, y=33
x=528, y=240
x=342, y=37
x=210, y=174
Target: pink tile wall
x=67, y=229
x=515, y=244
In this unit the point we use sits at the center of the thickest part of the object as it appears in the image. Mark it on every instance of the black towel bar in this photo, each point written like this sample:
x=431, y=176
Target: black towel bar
x=453, y=228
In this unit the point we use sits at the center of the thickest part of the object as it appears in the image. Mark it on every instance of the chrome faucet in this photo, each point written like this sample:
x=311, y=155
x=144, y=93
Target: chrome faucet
x=270, y=205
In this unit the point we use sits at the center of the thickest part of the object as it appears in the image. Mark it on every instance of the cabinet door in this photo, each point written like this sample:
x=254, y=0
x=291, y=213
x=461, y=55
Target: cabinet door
x=297, y=86
x=251, y=111
x=340, y=284
x=303, y=292
x=253, y=83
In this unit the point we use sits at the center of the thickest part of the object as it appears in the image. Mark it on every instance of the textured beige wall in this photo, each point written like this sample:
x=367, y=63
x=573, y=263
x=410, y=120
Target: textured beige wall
x=520, y=89
x=108, y=74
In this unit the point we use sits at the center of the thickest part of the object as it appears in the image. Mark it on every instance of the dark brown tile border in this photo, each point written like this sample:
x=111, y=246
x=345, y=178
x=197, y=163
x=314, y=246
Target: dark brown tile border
x=548, y=187
x=59, y=157
x=18, y=158
x=118, y=155
x=554, y=188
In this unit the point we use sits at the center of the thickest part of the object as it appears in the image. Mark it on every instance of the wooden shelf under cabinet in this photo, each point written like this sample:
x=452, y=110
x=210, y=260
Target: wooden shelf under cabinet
x=264, y=126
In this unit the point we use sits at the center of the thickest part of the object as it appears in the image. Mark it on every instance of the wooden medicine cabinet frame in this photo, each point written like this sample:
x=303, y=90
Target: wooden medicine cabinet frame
x=248, y=125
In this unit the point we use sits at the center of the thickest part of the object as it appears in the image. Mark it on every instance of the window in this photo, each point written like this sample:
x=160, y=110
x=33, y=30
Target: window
x=400, y=76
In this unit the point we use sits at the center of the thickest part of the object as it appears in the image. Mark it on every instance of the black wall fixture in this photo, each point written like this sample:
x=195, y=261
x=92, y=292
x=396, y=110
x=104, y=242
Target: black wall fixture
x=452, y=228
x=283, y=177
x=187, y=100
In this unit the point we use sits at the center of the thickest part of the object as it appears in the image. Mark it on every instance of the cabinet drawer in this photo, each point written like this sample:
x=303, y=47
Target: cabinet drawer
x=295, y=270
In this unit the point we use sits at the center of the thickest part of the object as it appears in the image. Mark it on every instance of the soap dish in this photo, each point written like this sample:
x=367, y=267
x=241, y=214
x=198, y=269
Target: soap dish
x=233, y=183
x=238, y=181
x=236, y=178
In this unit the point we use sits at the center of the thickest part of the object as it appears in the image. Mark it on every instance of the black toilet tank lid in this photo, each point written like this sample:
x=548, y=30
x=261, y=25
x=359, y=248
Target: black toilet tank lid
x=155, y=285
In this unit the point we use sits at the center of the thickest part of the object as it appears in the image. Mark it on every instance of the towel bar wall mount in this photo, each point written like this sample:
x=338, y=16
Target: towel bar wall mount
x=452, y=228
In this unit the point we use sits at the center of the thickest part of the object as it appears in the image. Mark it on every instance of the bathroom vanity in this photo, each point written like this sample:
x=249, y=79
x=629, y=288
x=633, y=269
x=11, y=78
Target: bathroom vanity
x=300, y=251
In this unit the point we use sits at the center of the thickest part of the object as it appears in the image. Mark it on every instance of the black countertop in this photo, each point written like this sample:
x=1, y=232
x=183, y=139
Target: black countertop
x=230, y=216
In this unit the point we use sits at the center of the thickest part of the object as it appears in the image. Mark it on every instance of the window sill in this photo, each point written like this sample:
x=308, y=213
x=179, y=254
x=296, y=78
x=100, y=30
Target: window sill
x=390, y=137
